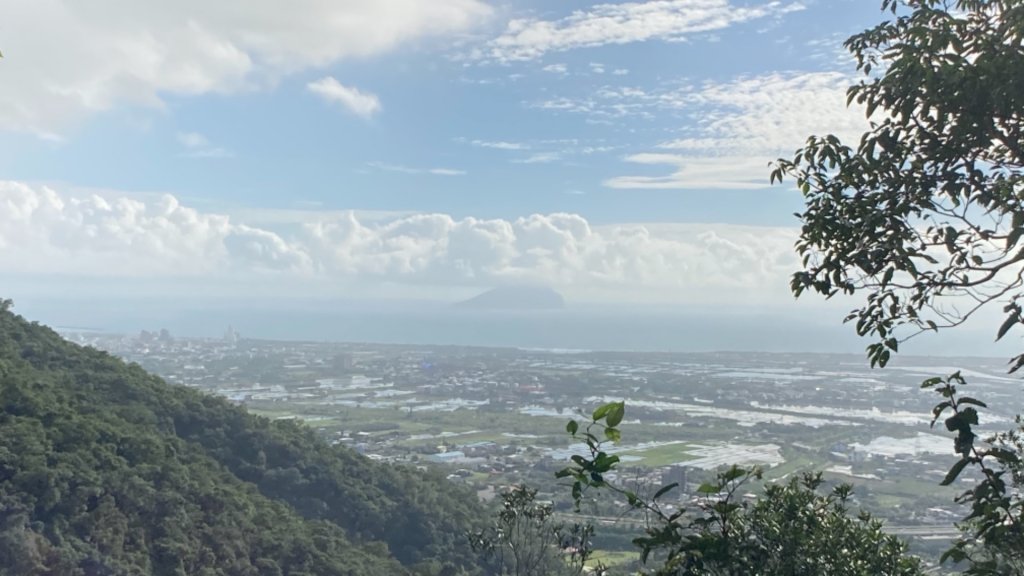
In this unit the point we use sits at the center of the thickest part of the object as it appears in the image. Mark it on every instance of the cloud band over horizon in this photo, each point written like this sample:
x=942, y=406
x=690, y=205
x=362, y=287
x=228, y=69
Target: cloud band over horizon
x=43, y=231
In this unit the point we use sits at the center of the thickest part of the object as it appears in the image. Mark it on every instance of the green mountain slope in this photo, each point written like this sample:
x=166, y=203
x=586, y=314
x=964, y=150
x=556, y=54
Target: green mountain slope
x=106, y=469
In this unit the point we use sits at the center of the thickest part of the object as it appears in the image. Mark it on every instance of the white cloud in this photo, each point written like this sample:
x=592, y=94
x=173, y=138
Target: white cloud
x=539, y=158
x=193, y=140
x=44, y=232
x=556, y=68
x=547, y=151
x=741, y=126
x=500, y=145
x=772, y=113
x=620, y=72
x=65, y=59
x=446, y=172
x=198, y=146
x=394, y=168
x=607, y=104
x=623, y=23
x=359, y=103
x=407, y=170
x=47, y=232
x=720, y=172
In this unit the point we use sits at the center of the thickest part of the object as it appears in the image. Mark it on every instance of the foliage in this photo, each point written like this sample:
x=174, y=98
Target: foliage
x=994, y=528
x=105, y=469
x=790, y=529
x=924, y=216
x=525, y=539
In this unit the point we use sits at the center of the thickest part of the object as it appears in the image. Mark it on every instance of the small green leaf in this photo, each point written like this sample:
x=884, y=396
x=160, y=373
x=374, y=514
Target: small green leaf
x=938, y=410
x=615, y=414
x=602, y=411
x=708, y=489
x=572, y=427
x=733, y=473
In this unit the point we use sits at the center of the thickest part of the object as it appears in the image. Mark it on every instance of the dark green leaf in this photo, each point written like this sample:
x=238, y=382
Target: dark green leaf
x=664, y=490
x=1007, y=324
x=572, y=427
x=955, y=471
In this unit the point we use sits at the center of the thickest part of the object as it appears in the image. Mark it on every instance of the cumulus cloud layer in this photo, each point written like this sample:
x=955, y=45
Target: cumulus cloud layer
x=45, y=232
x=65, y=58
x=623, y=23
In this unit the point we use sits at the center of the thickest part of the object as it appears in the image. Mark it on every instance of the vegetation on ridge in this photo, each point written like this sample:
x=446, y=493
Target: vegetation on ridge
x=105, y=469
x=790, y=528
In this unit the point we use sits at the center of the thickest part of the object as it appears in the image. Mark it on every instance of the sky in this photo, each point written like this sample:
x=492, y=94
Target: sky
x=617, y=152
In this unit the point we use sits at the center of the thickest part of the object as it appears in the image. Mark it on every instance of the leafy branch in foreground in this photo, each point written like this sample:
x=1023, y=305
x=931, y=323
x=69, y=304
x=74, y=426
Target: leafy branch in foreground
x=791, y=528
x=923, y=217
x=925, y=214
x=993, y=540
x=525, y=539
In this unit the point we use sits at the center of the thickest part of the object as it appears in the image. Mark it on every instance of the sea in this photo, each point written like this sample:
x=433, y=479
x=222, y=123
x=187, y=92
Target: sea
x=618, y=328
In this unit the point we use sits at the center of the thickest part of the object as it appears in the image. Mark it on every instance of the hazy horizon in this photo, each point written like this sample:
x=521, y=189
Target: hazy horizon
x=582, y=327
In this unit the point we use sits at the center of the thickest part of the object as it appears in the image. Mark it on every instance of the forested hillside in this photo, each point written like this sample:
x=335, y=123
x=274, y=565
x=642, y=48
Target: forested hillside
x=106, y=469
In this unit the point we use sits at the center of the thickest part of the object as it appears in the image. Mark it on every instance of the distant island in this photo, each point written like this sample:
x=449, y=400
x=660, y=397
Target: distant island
x=515, y=298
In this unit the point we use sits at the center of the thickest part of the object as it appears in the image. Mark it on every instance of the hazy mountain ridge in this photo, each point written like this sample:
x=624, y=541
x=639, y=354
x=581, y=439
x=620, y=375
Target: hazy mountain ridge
x=106, y=469
x=515, y=298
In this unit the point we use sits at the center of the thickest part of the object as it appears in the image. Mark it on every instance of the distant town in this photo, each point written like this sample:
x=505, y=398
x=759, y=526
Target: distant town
x=494, y=416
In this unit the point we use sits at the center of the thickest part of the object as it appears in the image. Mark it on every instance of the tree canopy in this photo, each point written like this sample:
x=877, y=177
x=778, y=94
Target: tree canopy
x=105, y=469
x=922, y=219
x=790, y=528
x=924, y=215
x=527, y=539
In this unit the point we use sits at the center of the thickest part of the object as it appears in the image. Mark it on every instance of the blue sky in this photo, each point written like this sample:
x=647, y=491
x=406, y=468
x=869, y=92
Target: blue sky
x=615, y=151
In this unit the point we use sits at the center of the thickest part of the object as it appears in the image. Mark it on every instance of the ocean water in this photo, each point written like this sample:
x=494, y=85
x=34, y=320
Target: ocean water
x=576, y=328
x=560, y=329
x=593, y=328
